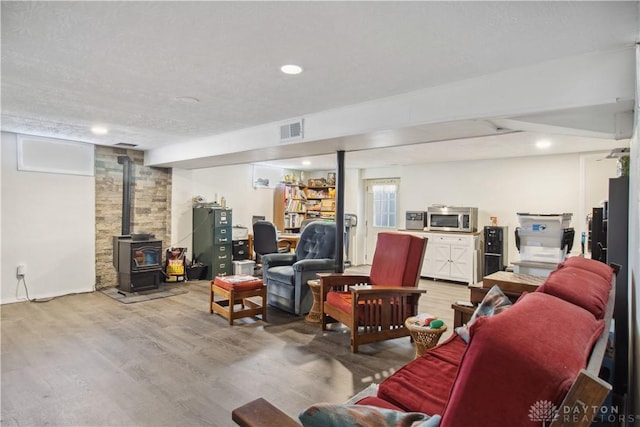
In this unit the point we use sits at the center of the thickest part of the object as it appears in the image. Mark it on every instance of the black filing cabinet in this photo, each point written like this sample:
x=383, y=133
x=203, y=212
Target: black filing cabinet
x=212, y=240
x=240, y=249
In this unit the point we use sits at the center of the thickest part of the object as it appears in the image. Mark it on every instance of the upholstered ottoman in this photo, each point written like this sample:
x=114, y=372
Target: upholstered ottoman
x=237, y=289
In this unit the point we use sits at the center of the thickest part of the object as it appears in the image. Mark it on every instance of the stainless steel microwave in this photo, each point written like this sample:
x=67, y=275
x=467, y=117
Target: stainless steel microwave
x=452, y=218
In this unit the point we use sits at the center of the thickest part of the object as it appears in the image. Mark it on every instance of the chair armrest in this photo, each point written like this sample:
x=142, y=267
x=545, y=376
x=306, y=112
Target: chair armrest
x=285, y=247
x=377, y=289
x=314, y=264
x=275, y=260
x=340, y=281
x=259, y=413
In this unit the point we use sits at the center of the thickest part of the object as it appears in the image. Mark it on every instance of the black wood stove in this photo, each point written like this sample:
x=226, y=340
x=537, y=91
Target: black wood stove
x=138, y=262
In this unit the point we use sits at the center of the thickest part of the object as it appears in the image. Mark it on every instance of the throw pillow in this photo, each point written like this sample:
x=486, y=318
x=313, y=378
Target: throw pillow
x=493, y=303
x=333, y=415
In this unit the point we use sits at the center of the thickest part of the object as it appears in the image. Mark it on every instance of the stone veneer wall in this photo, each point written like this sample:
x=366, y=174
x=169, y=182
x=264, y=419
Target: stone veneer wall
x=151, y=211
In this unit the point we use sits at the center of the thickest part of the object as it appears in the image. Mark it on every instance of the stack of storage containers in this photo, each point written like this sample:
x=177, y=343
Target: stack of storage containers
x=544, y=237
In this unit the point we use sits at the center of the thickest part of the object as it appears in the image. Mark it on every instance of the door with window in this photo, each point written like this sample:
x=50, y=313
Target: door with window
x=381, y=211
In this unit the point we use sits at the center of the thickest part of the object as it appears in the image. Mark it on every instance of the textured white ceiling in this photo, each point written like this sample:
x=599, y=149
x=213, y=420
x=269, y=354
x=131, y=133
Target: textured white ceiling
x=69, y=65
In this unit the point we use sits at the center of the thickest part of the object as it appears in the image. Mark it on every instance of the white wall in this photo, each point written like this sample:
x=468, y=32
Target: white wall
x=235, y=184
x=544, y=184
x=504, y=187
x=48, y=224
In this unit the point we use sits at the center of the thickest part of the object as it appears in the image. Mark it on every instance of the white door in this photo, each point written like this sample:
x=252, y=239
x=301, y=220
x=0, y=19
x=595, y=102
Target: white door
x=381, y=211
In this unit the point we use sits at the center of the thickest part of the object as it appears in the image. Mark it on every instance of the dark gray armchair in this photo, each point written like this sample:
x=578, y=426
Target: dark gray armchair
x=286, y=275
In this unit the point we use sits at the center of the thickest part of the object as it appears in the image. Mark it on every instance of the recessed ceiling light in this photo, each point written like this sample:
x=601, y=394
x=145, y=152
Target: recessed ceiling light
x=99, y=130
x=543, y=143
x=187, y=99
x=306, y=163
x=291, y=69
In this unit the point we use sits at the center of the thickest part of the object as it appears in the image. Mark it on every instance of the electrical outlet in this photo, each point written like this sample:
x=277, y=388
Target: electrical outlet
x=22, y=269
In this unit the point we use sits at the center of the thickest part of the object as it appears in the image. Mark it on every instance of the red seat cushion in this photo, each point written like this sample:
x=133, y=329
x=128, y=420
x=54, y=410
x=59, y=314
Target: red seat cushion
x=591, y=265
x=423, y=385
x=512, y=357
x=342, y=301
x=580, y=287
x=241, y=282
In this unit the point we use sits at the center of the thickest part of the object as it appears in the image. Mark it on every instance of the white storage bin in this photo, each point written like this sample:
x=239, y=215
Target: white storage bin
x=541, y=223
x=239, y=233
x=542, y=254
x=243, y=267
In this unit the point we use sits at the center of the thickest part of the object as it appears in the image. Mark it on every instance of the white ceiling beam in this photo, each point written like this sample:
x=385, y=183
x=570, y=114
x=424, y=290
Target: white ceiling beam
x=575, y=82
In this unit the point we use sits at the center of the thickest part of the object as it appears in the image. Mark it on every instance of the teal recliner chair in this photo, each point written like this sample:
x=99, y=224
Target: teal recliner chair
x=286, y=275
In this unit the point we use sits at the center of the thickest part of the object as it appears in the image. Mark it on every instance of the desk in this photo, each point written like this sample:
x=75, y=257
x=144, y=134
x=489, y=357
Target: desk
x=292, y=238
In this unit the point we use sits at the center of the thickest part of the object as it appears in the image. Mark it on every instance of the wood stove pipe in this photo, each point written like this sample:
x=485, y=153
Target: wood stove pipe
x=127, y=183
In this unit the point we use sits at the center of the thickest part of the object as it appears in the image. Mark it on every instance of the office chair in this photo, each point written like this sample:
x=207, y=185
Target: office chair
x=265, y=241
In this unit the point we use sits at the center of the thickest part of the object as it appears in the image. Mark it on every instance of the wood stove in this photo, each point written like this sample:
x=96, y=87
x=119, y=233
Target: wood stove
x=138, y=262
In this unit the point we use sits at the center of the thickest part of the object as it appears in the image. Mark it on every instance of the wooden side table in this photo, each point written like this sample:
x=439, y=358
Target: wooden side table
x=314, y=315
x=424, y=336
x=462, y=314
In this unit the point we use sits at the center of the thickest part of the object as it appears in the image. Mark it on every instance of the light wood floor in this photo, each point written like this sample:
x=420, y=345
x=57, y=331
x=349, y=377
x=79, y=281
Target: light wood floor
x=88, y=360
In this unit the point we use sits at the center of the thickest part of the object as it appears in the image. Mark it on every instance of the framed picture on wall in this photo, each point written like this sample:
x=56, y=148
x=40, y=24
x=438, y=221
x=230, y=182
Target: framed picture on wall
x=265, y=176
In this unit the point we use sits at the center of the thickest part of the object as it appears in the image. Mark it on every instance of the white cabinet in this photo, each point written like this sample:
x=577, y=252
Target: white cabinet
x=452, y=256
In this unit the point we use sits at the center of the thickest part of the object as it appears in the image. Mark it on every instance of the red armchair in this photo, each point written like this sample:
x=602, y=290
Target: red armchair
x=375, y=307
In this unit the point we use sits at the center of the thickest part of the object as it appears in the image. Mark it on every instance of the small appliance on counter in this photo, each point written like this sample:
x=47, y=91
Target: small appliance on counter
x=415, y=220
x=452, y=218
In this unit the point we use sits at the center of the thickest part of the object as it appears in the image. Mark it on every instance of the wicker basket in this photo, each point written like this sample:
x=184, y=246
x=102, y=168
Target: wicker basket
x=424, y=336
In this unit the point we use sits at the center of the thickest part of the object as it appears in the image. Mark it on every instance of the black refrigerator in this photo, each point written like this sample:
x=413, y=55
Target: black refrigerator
x=618, y=253
x=495, y=249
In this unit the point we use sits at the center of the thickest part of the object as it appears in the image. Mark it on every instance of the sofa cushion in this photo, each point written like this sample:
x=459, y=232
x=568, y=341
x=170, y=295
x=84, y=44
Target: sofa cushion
x=580, y=287
x=591, y=265
x=517, y=359
x=423, y=385
x=494, y=302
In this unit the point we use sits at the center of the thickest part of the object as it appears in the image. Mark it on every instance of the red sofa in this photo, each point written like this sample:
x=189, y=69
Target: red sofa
x=518, y=363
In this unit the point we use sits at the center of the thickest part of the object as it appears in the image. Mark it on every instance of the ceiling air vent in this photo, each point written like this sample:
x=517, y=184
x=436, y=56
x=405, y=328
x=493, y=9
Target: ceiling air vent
x=293, y=131
x=125, y=144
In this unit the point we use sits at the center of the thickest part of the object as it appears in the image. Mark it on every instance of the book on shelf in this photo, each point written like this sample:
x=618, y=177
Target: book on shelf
x=294, y=192
x=293, y=220
x=296, y=206
x=328, y=205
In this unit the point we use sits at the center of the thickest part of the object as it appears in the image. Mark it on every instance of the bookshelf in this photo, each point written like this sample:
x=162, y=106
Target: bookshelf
x=289, y=207
x=321, y=202
x=295, y=202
